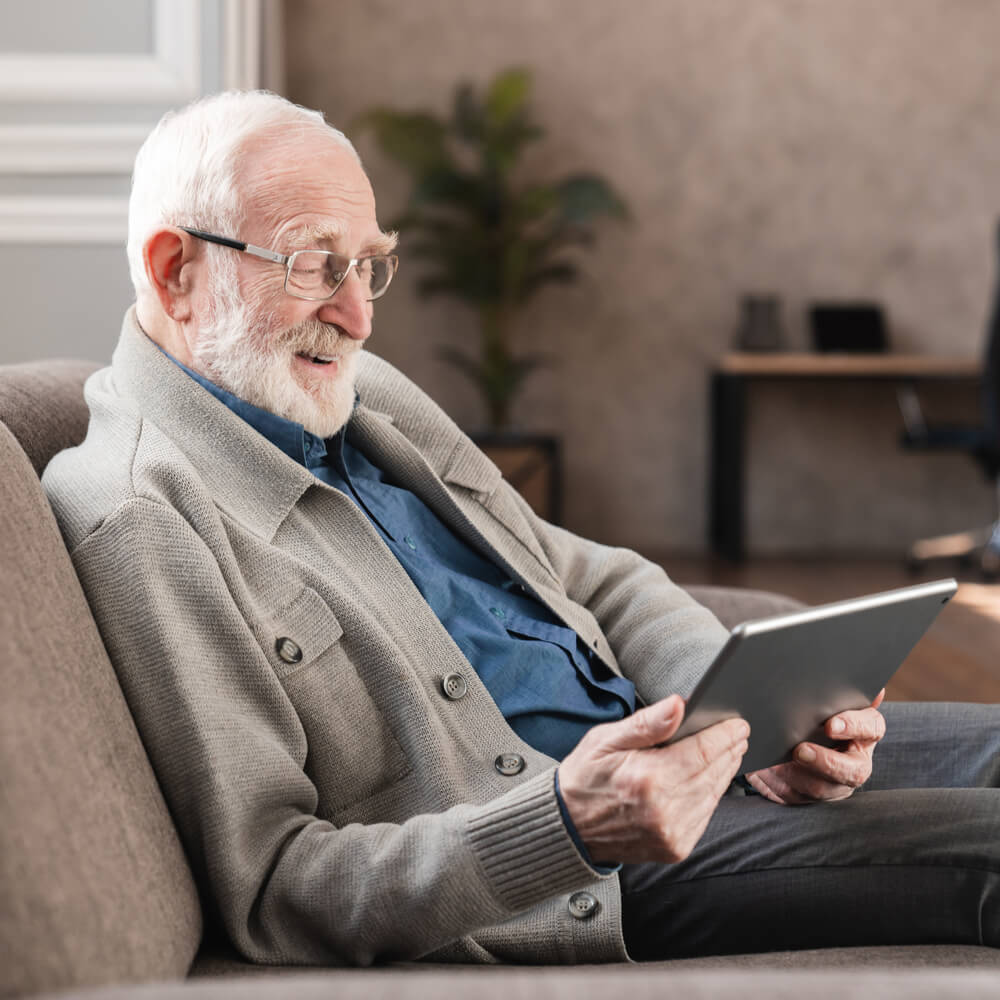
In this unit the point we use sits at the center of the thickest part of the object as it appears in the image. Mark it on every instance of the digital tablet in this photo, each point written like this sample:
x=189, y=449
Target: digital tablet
x=786, y=675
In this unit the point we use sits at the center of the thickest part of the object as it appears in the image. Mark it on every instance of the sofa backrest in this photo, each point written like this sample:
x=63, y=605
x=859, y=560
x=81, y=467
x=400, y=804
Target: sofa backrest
x=94, y=883
x=43, y=407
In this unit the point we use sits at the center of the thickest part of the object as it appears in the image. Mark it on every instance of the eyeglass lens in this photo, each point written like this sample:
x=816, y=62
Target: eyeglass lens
x=316, y=274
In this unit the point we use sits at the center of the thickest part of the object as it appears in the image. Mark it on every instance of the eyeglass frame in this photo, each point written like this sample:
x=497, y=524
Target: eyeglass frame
x=286, y=261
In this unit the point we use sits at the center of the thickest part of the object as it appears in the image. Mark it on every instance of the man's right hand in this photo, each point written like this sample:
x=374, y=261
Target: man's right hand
x=632, y=799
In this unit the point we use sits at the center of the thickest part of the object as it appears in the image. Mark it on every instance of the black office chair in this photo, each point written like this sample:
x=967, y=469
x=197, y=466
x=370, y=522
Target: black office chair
x=981, y=442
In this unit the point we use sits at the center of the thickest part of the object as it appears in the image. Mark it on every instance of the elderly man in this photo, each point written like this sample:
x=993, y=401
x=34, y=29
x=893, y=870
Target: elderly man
x=396, y=715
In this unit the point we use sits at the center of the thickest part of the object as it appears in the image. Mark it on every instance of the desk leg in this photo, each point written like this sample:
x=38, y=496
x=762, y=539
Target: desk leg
x=728, y=415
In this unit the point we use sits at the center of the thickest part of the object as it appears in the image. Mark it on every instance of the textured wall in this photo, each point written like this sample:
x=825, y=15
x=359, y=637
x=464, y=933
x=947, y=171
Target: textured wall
x=809, y=148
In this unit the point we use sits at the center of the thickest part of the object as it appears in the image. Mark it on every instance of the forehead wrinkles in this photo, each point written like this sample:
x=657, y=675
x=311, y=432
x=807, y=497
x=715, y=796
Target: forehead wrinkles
x=319, y=183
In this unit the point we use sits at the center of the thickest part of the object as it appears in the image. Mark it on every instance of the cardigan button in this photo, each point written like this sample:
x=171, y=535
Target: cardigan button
x=288, y=650
x=454, y=687
x=582, y=905
x=509, y=764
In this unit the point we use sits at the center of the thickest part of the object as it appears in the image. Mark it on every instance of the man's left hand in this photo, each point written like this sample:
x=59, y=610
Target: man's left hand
x=821, y=774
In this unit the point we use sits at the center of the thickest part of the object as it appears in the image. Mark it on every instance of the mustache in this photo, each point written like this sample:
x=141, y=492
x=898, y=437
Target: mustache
x=312, y=337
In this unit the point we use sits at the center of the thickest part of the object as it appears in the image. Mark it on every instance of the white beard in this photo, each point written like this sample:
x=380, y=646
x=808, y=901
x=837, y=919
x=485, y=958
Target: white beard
x=246, y=355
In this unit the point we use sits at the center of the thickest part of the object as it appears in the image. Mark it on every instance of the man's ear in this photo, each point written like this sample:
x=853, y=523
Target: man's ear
x=167, y=255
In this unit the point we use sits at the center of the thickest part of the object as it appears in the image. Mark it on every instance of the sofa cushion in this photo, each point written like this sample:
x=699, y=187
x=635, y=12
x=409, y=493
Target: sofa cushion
x=636, y=982
x=94, y=883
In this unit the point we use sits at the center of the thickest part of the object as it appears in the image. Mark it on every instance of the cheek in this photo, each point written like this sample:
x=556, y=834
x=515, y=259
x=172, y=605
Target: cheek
x=261, y=292
x=272, y=311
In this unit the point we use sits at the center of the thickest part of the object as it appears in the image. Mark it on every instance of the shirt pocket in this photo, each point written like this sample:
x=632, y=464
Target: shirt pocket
x=352, y=753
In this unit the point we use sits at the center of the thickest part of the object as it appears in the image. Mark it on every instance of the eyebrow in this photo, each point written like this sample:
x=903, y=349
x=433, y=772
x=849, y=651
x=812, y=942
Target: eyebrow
x=384, y=243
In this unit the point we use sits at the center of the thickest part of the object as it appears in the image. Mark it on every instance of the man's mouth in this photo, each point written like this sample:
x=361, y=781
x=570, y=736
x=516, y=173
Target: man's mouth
x=317, y=359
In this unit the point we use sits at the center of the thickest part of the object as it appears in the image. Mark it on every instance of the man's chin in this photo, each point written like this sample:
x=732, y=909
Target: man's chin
x=322, y=410
x=320, y=397
x=326, y=426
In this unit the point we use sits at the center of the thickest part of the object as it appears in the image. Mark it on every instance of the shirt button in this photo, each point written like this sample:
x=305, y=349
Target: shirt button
x=454, y=686
x=409, y=541
x=498, y=612
x=582, y=905
x=288, y=650
x=509, y=764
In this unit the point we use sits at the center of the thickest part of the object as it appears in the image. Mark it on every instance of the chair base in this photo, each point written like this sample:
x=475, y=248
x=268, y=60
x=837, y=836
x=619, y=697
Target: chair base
x=968, y=547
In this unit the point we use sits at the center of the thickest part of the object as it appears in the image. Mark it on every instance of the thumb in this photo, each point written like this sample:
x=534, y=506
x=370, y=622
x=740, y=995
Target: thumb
x=648, y=727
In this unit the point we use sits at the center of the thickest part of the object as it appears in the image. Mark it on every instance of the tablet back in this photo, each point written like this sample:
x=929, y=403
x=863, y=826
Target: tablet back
x=788, y=674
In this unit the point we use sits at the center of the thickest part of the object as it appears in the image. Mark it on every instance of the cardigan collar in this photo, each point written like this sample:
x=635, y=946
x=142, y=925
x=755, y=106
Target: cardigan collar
x=221, y=446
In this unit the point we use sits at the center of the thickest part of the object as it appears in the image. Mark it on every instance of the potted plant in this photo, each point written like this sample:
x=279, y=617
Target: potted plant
x=482, y=233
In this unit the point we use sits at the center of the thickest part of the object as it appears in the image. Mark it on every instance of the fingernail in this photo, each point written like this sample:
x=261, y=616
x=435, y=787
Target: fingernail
x=806, y=754
x=838, y=725
x=667, y=720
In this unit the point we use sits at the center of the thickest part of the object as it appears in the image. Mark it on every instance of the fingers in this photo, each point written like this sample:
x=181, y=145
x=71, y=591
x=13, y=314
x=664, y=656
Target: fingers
x=726, y=766
x=824, y=774
x=792, y=785
x=687, y=803
x=851, y=766
x=716, y=741
x=866, y=725
x=773, y=784
x=646, y=728
x=633, y=799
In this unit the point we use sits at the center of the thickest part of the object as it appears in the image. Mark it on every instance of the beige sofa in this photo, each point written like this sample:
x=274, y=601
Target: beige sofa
x=96, y=892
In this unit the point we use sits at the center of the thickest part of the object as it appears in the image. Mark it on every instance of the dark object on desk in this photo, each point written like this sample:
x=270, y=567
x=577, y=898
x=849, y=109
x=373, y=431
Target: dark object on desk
x=760, y=324
x=980, y=441
x=854, y=328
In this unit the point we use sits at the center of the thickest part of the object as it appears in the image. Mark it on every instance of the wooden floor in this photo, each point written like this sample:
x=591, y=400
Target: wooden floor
x=958, y=659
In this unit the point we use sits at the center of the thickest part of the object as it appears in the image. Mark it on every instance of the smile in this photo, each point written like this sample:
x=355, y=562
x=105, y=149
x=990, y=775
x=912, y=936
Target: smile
x=318, y=359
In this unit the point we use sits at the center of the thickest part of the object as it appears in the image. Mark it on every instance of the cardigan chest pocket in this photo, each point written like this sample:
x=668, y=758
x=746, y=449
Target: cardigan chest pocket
x=352, y=753
x=303, y=630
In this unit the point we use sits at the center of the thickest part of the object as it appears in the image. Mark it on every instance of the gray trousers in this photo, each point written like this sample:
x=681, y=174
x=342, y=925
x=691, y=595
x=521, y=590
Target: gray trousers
x=913, y=857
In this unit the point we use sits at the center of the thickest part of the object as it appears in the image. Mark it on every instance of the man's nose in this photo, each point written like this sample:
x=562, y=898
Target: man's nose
x=350, y=308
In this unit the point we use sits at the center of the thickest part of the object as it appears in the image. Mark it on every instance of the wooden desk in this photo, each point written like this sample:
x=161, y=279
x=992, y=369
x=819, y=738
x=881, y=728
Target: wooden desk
x=729, y=381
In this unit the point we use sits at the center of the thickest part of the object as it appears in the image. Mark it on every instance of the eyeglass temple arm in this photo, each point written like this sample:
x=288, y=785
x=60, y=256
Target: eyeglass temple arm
x=224, y=241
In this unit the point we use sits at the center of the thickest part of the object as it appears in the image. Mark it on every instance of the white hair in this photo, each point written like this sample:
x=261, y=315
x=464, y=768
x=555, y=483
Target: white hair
x=186, y=172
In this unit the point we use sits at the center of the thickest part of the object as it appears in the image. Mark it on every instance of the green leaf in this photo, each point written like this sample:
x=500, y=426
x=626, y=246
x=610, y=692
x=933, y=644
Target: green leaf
x=584, y=196
x=561, y=272
x=507, y=95
x=446, y=184
x=504, y=143
x=415, y=139
x=533, y=202
x=462, y=362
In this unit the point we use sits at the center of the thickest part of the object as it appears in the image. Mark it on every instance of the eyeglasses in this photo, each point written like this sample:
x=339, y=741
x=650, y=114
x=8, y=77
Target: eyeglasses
x=317, y=274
